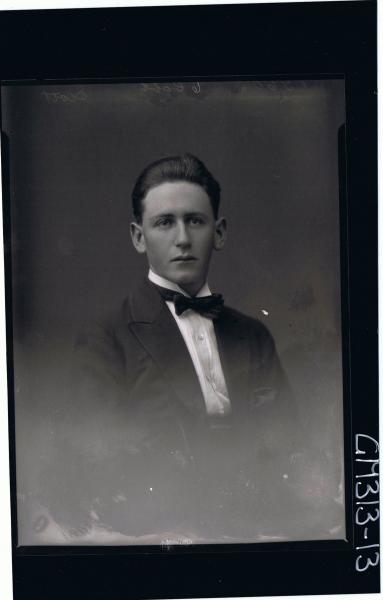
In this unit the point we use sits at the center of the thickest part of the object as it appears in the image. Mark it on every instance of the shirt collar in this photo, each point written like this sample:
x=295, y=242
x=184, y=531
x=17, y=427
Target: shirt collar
x=165, y=283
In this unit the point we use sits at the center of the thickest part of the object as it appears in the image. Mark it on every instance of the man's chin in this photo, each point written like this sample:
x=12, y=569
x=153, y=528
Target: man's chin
x=190, y=288
x=191, y=285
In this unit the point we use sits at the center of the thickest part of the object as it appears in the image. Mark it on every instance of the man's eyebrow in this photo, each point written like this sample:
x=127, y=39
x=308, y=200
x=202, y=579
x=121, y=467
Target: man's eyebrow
x=195, y=214
x=162, y=215
x=173, y=215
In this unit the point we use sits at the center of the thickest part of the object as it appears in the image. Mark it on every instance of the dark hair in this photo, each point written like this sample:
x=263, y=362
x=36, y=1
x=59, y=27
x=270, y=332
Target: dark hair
x=175, y=168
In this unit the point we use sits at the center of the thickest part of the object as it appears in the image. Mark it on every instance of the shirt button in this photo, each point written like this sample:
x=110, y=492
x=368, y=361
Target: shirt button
x=201, y=336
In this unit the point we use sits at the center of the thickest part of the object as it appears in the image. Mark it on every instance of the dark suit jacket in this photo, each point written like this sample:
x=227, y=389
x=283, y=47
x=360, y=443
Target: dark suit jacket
x=139, y=452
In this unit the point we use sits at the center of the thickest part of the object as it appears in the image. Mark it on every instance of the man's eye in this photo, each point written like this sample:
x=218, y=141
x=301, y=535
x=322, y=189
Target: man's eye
x=163, y=222
x=196, y=221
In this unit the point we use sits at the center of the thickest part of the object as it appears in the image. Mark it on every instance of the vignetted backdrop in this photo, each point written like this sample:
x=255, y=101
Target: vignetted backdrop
x=74, y=154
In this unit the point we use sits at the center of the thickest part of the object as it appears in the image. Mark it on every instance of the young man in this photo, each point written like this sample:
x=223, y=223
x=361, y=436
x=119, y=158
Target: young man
x=184, y=427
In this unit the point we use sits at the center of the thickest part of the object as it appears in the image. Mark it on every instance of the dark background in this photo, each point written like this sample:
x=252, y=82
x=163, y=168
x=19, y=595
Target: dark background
x=74, y=154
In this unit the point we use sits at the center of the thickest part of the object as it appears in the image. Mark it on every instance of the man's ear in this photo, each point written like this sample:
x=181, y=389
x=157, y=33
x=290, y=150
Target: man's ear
x=138, y=237
x=220, y=234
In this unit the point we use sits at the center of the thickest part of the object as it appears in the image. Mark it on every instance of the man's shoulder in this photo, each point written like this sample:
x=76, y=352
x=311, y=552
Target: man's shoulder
x=104, y=328
x=125, y=310
x=104, y=323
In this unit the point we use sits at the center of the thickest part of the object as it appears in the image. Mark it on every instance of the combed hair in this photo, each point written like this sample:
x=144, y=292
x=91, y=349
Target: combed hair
x=175, y=168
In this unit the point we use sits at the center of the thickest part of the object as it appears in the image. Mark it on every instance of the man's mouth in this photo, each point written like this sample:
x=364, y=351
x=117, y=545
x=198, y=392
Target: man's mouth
x=183, y=259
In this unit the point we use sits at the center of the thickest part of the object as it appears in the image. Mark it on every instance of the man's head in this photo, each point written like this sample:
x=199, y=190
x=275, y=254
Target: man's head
x=175, y=204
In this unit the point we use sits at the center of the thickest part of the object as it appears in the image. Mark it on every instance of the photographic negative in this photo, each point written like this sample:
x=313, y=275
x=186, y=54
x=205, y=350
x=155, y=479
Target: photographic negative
x=152, y=417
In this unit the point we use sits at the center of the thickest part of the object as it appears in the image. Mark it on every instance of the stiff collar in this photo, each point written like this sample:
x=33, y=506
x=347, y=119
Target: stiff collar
x=165, y=283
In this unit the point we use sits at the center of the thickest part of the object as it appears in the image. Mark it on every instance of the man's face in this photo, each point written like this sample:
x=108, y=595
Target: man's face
x=178, y=233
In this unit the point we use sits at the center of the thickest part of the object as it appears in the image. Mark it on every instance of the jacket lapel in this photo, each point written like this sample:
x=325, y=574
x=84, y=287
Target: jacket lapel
x=234, y=351
x=154, y=326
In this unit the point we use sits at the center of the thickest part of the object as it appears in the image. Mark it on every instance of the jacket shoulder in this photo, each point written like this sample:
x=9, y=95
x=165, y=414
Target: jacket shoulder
x=109, y=322
x=98, y=342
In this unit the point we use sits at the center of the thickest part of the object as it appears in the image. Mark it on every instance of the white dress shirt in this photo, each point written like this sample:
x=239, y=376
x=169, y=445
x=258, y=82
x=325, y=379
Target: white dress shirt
x=199, y=335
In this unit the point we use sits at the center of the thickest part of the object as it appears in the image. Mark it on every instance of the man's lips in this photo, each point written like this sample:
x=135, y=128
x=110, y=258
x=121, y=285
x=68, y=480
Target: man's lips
x=183, y=259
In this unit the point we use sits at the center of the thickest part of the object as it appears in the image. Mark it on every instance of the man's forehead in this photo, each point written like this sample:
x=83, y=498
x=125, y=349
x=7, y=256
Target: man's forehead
x=177, y=197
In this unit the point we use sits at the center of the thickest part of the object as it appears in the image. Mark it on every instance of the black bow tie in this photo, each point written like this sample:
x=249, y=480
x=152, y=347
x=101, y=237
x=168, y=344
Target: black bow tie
x=207, y=306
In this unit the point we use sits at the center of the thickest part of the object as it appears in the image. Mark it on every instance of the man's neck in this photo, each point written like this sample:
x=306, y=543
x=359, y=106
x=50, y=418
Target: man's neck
x=165, y=283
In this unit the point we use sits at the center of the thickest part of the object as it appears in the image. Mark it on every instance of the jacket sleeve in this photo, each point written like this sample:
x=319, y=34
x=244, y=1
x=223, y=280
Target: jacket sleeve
x=79, y=470
x=298, y=495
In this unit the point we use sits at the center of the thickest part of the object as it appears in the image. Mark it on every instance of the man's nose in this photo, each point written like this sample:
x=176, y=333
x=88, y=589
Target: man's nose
x=182, y=236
